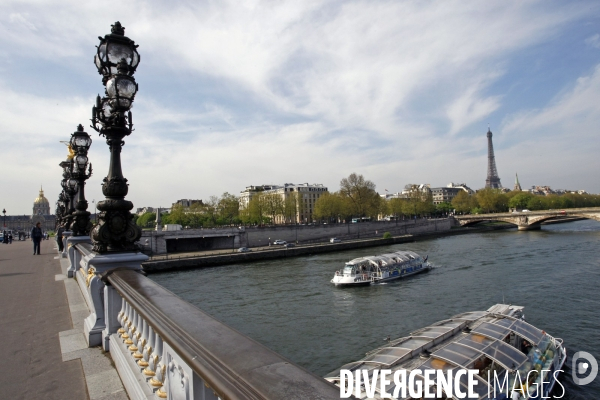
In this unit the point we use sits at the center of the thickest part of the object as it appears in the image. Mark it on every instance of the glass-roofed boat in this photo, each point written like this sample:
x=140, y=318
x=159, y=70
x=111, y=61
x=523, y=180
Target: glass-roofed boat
x=497, y=342
x=378, y=269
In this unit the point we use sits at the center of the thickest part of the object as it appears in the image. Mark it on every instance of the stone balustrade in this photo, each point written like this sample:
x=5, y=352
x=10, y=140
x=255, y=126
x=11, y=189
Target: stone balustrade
x=164, y=347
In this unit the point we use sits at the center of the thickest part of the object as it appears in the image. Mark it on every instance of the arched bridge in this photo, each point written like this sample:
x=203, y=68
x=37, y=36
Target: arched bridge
x=530, y=220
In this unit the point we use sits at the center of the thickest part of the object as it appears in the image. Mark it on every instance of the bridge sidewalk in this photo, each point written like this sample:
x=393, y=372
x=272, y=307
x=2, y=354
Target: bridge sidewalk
x=43, y=350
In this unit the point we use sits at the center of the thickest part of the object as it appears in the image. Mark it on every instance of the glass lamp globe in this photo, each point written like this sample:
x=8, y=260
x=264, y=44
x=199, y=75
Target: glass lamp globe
x=113, y=48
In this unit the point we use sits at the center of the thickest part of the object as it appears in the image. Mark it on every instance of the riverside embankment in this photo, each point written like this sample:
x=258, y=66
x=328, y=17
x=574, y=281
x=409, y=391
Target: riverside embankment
x=199, y=260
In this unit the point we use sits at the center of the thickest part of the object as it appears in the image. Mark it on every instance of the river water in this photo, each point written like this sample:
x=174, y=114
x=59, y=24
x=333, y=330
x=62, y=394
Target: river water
x=291, y=307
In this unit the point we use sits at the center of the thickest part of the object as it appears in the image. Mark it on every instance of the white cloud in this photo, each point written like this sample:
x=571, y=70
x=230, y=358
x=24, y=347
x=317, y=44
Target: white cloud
x=593, y=41
x=233, y=94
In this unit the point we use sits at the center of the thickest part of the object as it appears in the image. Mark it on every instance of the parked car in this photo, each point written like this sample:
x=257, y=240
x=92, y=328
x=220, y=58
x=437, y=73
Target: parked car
x=335, y=240
x=525, y=210
x=243, y=250
x=289, y=245
x=279, y=242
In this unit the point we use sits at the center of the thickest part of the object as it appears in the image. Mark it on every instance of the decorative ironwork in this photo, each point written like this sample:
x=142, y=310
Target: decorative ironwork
x=492, y=181
x=80, y=144
x=116, y=59
x=69, y=186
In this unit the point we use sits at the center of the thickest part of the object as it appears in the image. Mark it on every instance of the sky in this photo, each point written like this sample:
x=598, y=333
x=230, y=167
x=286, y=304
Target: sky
x=239, y=93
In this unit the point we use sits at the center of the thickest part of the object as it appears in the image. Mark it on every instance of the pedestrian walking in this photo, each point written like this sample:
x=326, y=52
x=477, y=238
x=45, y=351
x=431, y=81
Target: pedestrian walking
x=59, y=238
x=9, y=238
x=36, y=237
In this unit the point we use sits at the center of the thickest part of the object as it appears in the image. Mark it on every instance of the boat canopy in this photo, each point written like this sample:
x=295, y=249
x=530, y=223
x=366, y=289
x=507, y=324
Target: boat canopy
x=484, y=341
x=397, y=257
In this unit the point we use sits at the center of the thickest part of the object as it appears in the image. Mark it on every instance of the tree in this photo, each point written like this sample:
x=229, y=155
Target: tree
x=146, y=220
x=328, y=207
x=396, y=207
x=520, y=200
x=488, y=199
x=361, y=195
x=177, y=216
x=291, y=207
x=229, y=208
x=463, y=202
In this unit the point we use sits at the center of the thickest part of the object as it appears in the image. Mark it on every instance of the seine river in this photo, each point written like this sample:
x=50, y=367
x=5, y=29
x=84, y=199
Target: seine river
x=291, y=307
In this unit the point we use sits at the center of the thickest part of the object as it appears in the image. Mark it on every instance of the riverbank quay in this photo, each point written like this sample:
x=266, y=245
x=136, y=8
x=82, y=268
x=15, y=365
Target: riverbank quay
x=226, y=257
x=39, y=335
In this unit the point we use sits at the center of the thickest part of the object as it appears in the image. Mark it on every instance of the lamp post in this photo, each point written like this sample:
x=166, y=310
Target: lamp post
x=116, y=60
x=4, y=212
x=80, y=143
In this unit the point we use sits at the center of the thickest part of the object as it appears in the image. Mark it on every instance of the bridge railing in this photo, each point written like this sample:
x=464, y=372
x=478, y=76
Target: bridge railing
x=164, y=347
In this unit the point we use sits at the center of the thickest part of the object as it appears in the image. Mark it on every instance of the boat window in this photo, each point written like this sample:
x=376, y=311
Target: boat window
x=491, y=330
x=476, y=341
x=531, y=333
x=481, y=388
x=353, y=367
x=471, y=316
x=451, y=324
x=413, y=343
x=393, y=351
x=505, y=354
x=436, y=363
x=432, y=332
x=348, y=269
x=381, y=359
x=458, y=354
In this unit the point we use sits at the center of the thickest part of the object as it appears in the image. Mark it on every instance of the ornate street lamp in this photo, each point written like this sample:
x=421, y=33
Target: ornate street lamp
x=69, y=186
x=80, y=144
x=116, y=60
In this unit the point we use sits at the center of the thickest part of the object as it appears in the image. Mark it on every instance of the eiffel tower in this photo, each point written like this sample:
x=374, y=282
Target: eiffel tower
x=493, y=180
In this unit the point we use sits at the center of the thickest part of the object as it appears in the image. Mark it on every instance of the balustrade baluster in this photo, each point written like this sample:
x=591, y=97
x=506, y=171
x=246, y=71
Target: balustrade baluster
x=142, y=339
x=147, y=353
x=136, y=335
x=132, y=327
x=122, y=317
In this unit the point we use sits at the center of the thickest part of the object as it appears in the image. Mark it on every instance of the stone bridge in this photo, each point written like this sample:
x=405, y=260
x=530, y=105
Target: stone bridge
x=530, y=220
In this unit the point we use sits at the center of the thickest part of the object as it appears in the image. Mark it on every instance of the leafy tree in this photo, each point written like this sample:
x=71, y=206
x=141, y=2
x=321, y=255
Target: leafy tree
x=520, y=200
x=443, y=208
x=176, y=216
x=464, y=202
x=146, y=220
x=229, y=208
x=360, y=193
x=328, y=206
x=488, y=199
x=291, y=207
x=396, y=207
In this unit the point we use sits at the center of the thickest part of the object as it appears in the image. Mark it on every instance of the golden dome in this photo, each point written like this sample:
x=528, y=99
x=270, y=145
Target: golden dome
x=41, y=199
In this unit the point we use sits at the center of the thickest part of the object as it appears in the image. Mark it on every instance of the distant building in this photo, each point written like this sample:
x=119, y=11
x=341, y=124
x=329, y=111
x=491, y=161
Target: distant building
x=250, y=191
x=446, y=194
x=144, y=210
x=517, y=184
x=302, y=197
x=40, y=213
x=493, y=180
x=186, y=203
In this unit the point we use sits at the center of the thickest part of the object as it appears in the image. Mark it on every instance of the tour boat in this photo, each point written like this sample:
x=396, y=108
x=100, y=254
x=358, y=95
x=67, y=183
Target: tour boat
x=379, y=269
x=511, y=356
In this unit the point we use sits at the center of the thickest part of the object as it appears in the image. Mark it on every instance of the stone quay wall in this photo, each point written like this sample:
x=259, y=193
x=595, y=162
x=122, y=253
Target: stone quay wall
x=257, y=236
x=195, y=240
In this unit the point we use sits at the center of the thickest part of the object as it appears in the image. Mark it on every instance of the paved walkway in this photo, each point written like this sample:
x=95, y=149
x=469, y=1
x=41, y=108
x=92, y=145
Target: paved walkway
x=43, y=352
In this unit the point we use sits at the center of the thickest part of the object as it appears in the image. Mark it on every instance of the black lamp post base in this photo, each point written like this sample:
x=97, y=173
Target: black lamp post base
x=116, y=231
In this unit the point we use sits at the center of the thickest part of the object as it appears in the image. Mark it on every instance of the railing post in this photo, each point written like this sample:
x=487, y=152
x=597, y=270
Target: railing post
x=73, y=255
x=113, y=309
